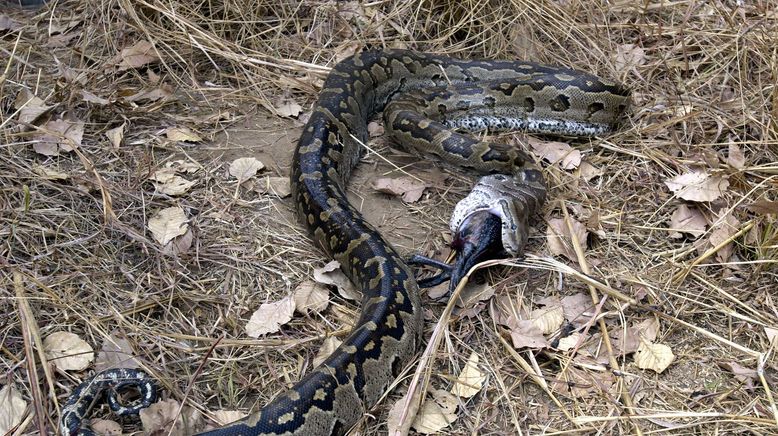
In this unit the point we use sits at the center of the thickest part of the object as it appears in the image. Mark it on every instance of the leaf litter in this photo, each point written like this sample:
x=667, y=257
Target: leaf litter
x=79, y=240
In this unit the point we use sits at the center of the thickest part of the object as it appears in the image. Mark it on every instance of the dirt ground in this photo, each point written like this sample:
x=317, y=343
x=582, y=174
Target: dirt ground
x=145, y=220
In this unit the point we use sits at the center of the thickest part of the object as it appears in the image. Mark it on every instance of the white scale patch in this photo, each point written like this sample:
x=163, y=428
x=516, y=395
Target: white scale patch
x=479, y=123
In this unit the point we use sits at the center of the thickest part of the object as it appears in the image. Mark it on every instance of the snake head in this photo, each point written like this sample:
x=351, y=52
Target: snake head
x=479, y=238
x=491, y=222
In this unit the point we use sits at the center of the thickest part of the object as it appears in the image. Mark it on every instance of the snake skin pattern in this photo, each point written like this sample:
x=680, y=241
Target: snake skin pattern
x=468, y=94
x=108, y=383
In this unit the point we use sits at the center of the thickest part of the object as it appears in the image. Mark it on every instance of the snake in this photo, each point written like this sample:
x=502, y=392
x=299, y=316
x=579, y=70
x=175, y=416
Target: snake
x=427, y=100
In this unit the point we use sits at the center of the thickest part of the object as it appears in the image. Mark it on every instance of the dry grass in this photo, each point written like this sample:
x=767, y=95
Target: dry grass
x=84, y=262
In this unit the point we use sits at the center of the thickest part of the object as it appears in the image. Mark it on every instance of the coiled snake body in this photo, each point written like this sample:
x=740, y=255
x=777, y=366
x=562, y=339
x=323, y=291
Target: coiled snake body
x=486, y=94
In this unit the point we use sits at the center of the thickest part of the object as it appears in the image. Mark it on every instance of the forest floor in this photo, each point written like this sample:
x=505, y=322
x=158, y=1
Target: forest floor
x=145, y=216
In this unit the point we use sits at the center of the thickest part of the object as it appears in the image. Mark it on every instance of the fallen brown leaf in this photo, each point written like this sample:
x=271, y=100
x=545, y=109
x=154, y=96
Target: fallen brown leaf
x=470, y=380
x=628, y=56
x=577, y=308
x=182, y=134
x=67, y=351
x=764, y=207
x=409, y=188
x=697, y=186
x=30, y=106
x=61, y=135
x=245, y=168
x=688, y=220
x=140, y=54
x=167, y=224
x=310, y=296
x=331, y=274
x=735, y=156
x=656, y=357
x=116, y=135
x=115, y=353
x=559, y=239
x=270, y=317
x=278, y=186
x=437, y=412
x=557, y=152
x=12, y=408
x=330, y=344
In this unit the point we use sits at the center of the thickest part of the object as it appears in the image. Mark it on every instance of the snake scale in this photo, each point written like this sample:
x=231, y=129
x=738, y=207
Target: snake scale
x=424, y=97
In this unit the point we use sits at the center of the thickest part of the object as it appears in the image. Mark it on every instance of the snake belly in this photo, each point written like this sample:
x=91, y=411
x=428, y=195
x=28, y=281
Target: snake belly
x=335, y=395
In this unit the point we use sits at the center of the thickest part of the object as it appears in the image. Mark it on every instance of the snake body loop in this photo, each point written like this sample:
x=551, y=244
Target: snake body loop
x=485, y=94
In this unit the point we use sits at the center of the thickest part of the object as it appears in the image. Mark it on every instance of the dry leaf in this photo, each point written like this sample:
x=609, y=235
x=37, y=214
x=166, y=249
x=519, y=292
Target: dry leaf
x=764, y=207
x=470, y=380
x=62, y=135
x=92, y=98
x=12, y=408
x=583, y=384
x=625, y=340
x=50, y=173
x=105, y=427
x=148, y=95
x=548, y=319
x=526, y=334
x=115, y=353
x=168, y=183
x=568, y=342
x=174, y=186
x=331, y=274
x=311, y=297
x=437, y=412
x=278, y=186
x=577, y=308
x=67, y=351
x=61, y=40
x=393, y=424
x=348, y=48
x=697, y=186
x=722, y=232
x=30, y=106
x=375, y=129
x=689, y=220
x=167, y=418
x=7, y=23
x=167, y=224
x=184, y=166
x=409, y=188
x=289, y=110
x=656, y=357
x=628, y=340
x=328, y=347
x=557, y=152
x=735, y=156
x=270, y=317
x=140, y=54
x=559, y=240
x=588, y=171
x=116, y=135
x=682, y=110
x=772, y=334
x=182, y=134
x=628, y=56
x=440, y=290
x=743, y=374
x=179, y=245
x=245, y=168
x=473, y=293
x=224, y=417
x=153, y=77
